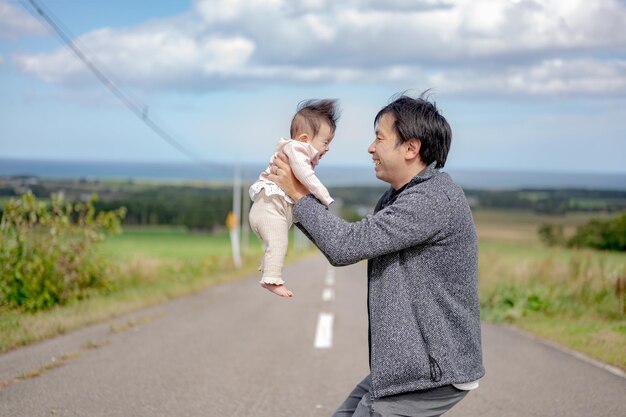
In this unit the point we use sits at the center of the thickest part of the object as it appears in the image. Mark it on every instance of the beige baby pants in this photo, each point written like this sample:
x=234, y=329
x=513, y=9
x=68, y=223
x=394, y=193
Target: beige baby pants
x=270, y=218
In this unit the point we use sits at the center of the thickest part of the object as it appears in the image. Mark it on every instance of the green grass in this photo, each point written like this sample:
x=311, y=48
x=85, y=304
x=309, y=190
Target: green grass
x=595, y=337
x=169, y=243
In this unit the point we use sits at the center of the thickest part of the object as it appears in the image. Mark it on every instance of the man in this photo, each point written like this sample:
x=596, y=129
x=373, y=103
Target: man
x=421, y=246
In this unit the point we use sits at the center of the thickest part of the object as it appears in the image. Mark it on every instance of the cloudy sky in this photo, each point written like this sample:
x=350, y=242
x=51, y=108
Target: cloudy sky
x=530, y=85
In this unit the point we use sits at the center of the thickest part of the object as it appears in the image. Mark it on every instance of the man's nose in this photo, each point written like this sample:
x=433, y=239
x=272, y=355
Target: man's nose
x=371, y=148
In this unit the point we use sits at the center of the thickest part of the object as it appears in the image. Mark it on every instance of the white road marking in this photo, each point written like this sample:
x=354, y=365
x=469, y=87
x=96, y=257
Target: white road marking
x=324, y=332
x=328, y=294
x=330, y=276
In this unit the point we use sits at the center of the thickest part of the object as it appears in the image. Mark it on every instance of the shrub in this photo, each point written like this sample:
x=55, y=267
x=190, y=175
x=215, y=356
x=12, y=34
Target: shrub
x=46, y=251
x=602, y=234
x=551, y=234
x=597, y=234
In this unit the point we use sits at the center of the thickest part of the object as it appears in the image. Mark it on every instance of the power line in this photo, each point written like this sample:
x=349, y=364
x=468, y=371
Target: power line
x=139, y=110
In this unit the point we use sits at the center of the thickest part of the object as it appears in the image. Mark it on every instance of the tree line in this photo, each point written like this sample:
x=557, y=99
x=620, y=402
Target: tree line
x=205, y=207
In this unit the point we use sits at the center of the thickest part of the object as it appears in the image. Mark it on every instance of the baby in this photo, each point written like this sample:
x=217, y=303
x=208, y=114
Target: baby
x=312, y=130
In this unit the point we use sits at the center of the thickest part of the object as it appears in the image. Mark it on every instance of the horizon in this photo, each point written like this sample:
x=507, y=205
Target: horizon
x=332, y=175
x=332, y=164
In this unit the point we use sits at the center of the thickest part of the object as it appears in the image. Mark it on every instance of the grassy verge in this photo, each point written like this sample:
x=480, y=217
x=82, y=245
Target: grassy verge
x=150, y=266
x=598, y=338
x=568, y=296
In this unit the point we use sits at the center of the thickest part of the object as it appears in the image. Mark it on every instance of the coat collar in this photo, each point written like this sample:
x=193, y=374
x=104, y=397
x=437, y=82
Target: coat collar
x=425, y=174
x=390, y=195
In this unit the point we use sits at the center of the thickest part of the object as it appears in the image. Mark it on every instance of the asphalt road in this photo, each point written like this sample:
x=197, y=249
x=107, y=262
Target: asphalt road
x=237, y=350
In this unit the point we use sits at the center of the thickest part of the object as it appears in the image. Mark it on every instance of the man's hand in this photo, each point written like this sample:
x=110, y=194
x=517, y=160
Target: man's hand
x=281, y=174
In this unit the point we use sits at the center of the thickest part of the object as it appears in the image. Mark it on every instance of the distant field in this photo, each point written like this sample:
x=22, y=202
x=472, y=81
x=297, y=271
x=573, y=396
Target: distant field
x=178, y=244
x=511, y=235
x=169, y=243
x=522, y=226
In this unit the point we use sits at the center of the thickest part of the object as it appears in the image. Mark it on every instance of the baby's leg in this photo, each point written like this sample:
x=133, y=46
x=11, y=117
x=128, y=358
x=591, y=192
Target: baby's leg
x=276, y=240
x=270, y=222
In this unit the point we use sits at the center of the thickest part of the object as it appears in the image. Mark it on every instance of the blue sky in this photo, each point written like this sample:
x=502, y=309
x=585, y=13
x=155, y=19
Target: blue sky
x=527, y=85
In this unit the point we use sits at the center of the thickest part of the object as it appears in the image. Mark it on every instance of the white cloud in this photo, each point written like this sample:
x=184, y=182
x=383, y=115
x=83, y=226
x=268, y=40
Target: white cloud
x=16, y=22
x=145, y=56
x=549, y=77
x=234, y=10
x=463, y=46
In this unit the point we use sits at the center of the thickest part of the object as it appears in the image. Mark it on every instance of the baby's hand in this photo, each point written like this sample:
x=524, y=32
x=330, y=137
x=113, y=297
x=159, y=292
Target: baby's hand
x=281, y=175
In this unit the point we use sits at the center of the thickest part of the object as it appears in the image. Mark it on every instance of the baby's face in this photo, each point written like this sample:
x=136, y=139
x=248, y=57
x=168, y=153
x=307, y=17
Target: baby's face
x=321, y=141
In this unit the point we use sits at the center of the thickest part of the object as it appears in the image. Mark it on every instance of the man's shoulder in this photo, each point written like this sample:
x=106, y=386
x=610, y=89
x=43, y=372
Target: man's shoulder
x=438, y=189
x=438, y=182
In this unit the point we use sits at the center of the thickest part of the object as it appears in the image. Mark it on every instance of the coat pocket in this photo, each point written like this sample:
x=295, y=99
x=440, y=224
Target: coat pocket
x=433, y=366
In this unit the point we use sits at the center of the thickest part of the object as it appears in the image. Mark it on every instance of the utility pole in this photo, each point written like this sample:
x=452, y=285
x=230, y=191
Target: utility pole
x=245, y=223
x=232, y=221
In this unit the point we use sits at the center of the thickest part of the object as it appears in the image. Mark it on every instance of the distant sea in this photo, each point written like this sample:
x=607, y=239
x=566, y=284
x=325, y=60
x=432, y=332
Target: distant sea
x=331, y=175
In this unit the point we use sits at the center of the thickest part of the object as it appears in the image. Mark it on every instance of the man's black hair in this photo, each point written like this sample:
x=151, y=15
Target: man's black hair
x=418, y=118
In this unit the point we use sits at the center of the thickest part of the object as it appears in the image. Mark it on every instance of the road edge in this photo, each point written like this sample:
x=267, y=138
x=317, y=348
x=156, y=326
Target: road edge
x=578, y=355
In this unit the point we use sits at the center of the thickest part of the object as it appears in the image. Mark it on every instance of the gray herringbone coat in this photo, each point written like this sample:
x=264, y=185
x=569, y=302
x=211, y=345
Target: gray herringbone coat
x=424, y=318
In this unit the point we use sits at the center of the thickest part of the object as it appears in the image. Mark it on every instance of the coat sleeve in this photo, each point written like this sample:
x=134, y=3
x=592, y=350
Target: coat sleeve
x=300, y=163
x=413, y=219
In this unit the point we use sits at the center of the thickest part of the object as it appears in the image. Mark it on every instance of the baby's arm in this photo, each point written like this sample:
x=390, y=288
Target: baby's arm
x=301, y=167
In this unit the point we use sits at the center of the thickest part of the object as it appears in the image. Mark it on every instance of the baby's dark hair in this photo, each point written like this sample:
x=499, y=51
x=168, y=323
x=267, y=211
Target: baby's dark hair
x=311, y=114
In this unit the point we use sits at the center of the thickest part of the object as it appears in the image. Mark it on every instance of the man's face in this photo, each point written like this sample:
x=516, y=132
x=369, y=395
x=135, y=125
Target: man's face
x=388, y=156
x=321, y=141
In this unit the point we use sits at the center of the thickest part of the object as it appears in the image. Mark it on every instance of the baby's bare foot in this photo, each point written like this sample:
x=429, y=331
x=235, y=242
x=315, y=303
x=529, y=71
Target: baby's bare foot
x=280, y=290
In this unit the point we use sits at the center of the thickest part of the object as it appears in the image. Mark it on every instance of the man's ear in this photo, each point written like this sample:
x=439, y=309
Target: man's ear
x=302, y=138
x=412, y=149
